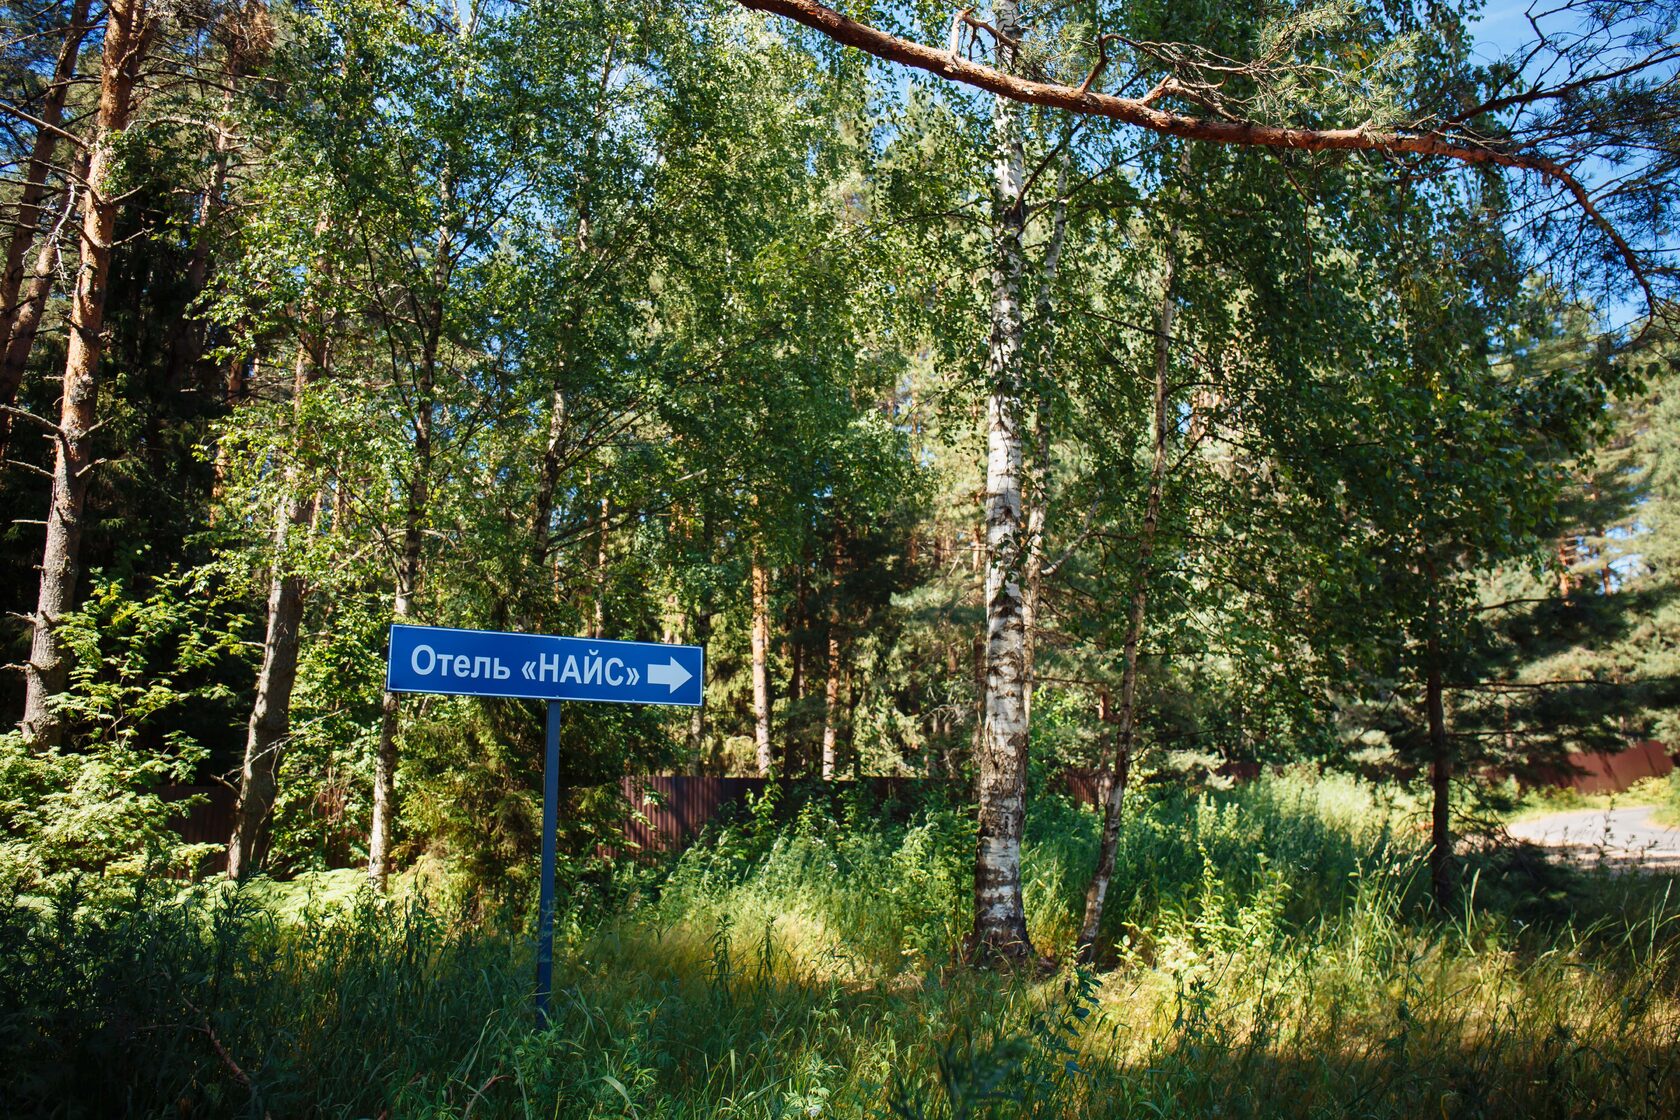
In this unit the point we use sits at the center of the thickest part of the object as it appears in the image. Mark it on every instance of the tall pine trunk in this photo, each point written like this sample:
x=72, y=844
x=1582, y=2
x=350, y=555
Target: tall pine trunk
x=1000, y=926
x=29, y=209
x=1096, y=894
x=271, y=715
x=761, y=665
x=128, y=31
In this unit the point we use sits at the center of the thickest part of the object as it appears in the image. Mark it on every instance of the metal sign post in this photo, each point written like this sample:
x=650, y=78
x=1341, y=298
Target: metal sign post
x=437, y=659
x=545, y=897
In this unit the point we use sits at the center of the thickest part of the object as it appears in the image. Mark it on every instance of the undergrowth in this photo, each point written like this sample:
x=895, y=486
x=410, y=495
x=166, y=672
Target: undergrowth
x=1271, y=953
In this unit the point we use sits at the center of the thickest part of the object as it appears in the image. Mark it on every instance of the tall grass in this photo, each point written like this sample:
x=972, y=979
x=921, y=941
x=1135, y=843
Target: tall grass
x=1273, y=956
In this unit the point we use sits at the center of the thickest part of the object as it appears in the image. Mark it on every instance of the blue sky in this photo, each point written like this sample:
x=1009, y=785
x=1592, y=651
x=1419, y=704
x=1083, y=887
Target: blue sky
x=1502, y=29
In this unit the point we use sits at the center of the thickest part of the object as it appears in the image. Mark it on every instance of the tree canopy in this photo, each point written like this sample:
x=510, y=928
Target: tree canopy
x=1147, y=390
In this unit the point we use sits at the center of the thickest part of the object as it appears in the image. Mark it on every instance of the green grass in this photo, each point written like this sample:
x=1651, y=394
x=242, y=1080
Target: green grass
x=1273, y=957
x=1666, y=794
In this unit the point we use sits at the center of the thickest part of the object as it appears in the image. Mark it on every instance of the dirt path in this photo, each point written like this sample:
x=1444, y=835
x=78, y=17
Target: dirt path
x=1620, y=836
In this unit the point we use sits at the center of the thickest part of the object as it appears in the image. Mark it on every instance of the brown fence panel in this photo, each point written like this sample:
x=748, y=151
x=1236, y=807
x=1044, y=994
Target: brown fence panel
x=210, y=821
x=667, y=812
x=1602, y=772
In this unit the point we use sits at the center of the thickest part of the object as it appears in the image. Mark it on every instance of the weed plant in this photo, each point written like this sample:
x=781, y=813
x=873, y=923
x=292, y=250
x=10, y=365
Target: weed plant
x=1272, y=955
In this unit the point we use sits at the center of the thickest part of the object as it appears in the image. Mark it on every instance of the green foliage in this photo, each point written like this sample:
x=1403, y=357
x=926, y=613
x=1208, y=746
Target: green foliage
x=1583, y=655
x=155, y=676
x=799, y=870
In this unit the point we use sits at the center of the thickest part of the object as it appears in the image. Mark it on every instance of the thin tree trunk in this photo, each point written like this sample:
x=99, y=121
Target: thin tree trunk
x=1605, y=586
x=795, y=636
x=1112, y=796
x=187, y=335
x=1038, y=492
x=761, y=665
x=235, y=390
x=343, y=494
x=557, y=446
x=32, y=303
x=1440, y=782
x=1000, y=926
x=271, y=716
x=848, y=684
x=408, y=582
x=831, y=680
x=696, y=738
x=383, y=825
x=1097, y=892
x=831, y=704
x=548, y=481
x=798, y=751
x=127, y=34
x=599, y=627
x=27, y=221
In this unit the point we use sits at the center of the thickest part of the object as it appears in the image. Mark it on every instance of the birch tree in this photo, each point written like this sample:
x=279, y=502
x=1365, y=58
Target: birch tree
x=1510, y=117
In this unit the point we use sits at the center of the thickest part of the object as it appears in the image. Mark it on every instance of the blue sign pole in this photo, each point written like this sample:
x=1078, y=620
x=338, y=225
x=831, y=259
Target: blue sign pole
x=439, y=659
x=545, y=899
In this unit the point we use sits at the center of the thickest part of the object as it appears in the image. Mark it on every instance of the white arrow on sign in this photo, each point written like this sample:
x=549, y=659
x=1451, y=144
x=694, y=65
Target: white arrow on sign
x=671, y=674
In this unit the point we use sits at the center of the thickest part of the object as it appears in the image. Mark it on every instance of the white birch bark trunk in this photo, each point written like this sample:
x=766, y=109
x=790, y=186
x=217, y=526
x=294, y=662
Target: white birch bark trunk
x=831, y=706
x=1000, y=928
x=761, y=666
x=382, y=830
x=383, y=826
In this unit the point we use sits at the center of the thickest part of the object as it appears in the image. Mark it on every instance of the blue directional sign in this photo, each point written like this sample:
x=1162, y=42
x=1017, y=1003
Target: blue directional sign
x=542, y=667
